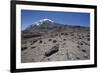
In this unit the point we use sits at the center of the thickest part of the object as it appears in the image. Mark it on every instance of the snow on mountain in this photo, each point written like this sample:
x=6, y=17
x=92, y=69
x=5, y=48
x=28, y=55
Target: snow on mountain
x=42, y=22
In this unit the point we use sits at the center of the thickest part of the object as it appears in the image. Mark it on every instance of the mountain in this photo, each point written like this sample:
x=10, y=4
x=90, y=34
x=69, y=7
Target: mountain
x=44, y=24
x=43, y=21
x=49, y=24
x=46, y=27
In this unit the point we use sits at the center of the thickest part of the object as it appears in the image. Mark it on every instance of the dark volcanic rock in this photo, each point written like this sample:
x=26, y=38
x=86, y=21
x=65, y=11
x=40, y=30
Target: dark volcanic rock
x=51, y=51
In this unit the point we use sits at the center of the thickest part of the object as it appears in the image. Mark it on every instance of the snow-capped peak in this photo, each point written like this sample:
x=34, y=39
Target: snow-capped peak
x=42, y=21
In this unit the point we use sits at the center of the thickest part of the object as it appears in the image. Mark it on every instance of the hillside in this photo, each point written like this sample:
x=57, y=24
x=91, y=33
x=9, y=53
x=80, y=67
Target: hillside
x=47, y=40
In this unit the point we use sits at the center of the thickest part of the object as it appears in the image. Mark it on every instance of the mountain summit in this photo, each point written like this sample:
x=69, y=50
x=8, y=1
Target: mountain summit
x=43, y=21
x=44, y=24
x=49, y=24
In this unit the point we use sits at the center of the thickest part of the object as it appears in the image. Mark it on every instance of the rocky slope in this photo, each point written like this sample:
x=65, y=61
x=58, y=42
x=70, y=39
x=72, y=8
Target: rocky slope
x=46, y=40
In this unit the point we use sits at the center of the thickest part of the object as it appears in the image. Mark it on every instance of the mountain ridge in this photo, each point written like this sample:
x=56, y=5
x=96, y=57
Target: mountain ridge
x=49, y=24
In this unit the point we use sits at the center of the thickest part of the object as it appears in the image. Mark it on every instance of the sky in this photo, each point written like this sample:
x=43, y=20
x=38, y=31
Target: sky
x=71, y=18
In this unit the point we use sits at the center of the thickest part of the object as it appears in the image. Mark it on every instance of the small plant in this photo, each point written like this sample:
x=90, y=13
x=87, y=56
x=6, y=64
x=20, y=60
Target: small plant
x=33, y=47
x=72, y=34
x=62, y=33
x=83, y=50
x=23, y=48
x=64, y=39
x=79, y=37
x=88, y=39
x=81, y=43
x=40, y=41
x=34, y=41
x=64, y=43
x=48, y=59
x=33, y=60
x=56, y=34
x=50, y=40
x=77, y=58
x=86, y=43
x=24, y=42
x=88, y=35
x=78, y=46
x=82, y=36
x=66, y=33
x=54, y=41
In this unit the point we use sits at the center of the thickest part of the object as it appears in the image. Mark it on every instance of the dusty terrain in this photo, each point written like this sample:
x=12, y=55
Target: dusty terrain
x=56, y=44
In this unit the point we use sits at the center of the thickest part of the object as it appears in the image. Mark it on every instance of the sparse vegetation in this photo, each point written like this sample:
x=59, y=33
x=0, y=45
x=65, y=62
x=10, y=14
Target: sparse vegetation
x=56, y=34
x=79, y=37
x=24, y=42
x=54, y=41
x=72, y=34
x=66, y=33
x=88, y=35
x=64, y=39
x=23, y=48
x=78, y=46
x=50, y=40
x=40, y=41
x=83, y=50
x=33, y=60
x=34, y=41
x=86, y=43
x=48, y=59
x=88, y=39
x=64, y=43
x=62, y=33
x=77, y=58
x=33, y=47
x=81, y=43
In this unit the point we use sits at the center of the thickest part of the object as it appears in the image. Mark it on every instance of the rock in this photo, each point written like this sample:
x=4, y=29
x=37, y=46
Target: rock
x=51, y=51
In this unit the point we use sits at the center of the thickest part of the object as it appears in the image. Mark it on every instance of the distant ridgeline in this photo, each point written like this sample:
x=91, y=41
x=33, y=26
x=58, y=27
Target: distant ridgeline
x=50, y=24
